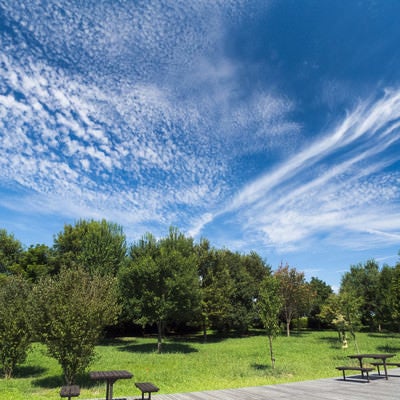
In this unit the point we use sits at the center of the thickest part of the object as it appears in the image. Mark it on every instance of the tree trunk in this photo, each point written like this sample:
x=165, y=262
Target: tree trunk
x=204, y=331
x=159, y=336
x=288, y=328
x=271, y=353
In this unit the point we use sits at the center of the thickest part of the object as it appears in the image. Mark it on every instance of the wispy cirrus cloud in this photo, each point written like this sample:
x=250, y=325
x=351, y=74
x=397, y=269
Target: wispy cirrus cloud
x=339, y=187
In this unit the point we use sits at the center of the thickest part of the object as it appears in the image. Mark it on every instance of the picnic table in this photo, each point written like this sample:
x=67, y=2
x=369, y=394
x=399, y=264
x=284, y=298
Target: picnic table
x=378, y=356
x=110, y=377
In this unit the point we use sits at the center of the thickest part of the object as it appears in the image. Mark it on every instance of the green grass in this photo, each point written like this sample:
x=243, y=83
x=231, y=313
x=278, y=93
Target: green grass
x=189, y=365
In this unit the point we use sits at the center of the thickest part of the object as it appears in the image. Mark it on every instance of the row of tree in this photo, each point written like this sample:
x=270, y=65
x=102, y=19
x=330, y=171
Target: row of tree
x=65, y=295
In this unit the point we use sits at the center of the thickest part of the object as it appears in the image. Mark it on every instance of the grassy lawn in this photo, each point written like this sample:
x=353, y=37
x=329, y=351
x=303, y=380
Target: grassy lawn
x=189, y=365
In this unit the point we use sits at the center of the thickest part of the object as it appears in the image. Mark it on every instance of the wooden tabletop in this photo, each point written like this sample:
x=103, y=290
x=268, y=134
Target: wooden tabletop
x=382, y=356
x=110, y=375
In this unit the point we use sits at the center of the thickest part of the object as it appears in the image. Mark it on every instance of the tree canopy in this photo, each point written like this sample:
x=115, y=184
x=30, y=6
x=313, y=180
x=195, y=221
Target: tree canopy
x=295, y=293
x=160, y=284
x=69, y=312
x=99, y=246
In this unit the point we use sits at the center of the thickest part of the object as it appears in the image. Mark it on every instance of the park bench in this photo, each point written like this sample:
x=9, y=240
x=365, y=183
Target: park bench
x=70, y=391
x=380, y=364
x=146, y=387
x=363, y=370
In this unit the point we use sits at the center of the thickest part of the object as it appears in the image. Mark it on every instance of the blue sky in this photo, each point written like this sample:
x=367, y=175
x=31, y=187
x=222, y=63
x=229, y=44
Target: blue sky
x=271, y=126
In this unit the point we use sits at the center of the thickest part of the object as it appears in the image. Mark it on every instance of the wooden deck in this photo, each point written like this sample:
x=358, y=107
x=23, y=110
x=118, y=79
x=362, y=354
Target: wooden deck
x=355, y=388
x=323, y=389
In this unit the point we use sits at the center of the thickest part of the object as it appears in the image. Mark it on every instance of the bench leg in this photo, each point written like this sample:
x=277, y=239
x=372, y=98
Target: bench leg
x=148, y=396
x=344, y=375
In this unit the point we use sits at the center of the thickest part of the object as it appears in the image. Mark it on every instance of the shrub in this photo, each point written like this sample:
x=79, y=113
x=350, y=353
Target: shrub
x=14, y=325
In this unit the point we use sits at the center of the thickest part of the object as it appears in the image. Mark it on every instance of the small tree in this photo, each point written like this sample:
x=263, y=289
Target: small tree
x=14, y=324
x=269, y=304
x=69, y=313
x=343, y=312
x=295, y=292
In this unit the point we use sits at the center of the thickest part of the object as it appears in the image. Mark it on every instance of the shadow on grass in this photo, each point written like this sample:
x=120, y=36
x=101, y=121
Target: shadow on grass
x=28, y=371
x=171, y=344
x=117, y=341
x=388, y=349
x=177, y=342
x=334, y=342
x=299, y=333
x=49, y=382
x=56, y=381
x=166, y=348
x=260, y=367
x=384, y=335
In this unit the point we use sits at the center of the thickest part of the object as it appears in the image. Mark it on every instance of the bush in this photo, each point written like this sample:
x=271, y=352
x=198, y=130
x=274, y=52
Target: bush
x=69, y=314
x=300, y=323
x=14, y=324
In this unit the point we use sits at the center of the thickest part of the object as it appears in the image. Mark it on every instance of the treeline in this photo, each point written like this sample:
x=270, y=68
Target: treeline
x=169, y=284
x=91, y=279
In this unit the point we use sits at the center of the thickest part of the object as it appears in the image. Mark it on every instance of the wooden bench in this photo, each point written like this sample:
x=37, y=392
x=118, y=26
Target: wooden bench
x=380, y=364
x=146, y=387
x=70, y=391
x=363, y=370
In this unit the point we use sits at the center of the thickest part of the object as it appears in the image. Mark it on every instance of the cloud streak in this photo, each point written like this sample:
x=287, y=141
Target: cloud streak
x=339, y=183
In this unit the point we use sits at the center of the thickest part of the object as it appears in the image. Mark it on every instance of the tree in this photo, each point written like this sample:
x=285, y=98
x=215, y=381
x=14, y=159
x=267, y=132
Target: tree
x=161, y=285
x=15, y=337
x=69, y=312
x=295, y=293
x=269, y=304
x=384, y=314
x=343, y=312
x=321, y=292
x=99, y=246
x=363, y=282
x=229, y=284
x=217, y=292
x=395, y=293
x=36, y=262
x=10, y=252
x=247, y=271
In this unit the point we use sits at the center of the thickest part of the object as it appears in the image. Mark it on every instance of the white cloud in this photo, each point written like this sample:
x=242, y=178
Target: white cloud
x=308, y=196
